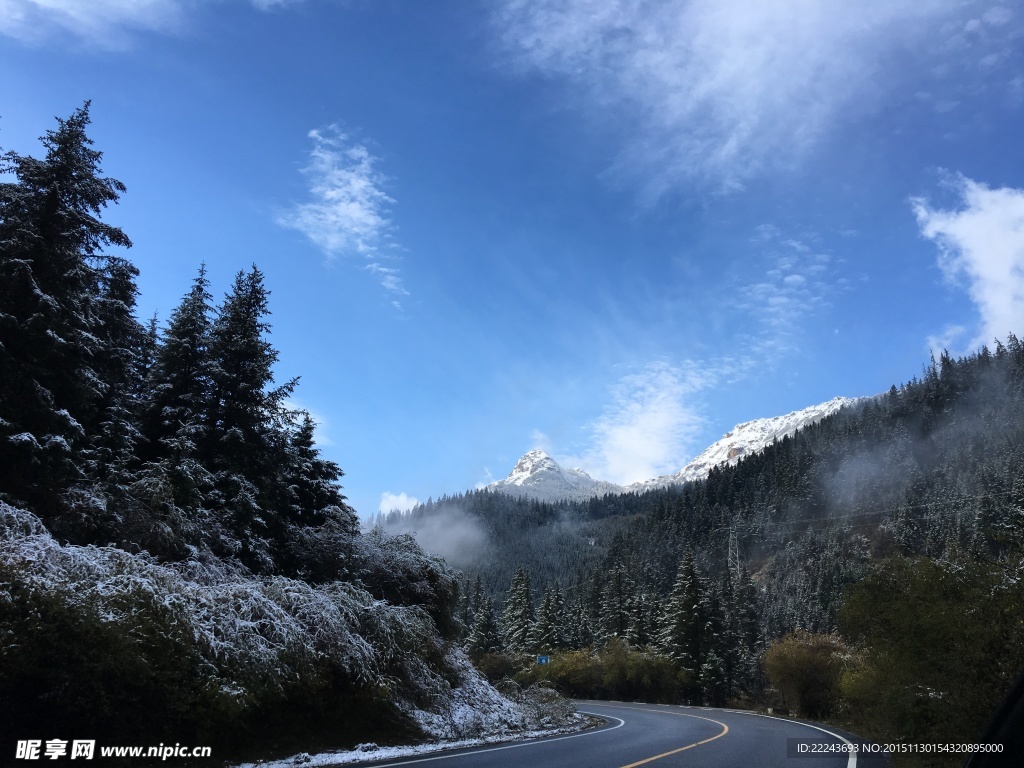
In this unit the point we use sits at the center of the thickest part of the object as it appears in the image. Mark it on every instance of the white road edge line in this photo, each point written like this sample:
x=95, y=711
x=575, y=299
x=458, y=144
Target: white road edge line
x=851, y=763
x=512, y=746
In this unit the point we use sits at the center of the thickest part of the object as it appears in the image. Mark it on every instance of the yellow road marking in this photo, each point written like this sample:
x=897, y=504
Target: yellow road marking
x=725, y=730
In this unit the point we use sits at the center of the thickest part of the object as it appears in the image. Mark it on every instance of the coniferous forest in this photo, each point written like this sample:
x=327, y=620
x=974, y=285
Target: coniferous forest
x=177, y=561
x=867, y=569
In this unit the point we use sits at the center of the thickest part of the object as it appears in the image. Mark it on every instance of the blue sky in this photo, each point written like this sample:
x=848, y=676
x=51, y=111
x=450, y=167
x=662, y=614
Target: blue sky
x=609, y=229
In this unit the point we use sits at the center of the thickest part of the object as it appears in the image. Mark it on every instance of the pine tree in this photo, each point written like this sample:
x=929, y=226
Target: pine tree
x=312, y=480
x=747, y=632
x=50, y=239
x=518, y=618
x=615, y=603
x=174, y=485
x=682, y=624
x=247, y=426
x=594, y=603
x=181, y=376
x=484, y=636
x=712, y=647
x=548, y=631
x=643, y=620
x=113, y=445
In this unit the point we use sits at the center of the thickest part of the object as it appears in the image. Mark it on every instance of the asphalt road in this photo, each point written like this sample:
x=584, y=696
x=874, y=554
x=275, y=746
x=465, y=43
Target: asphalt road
x=664, y=736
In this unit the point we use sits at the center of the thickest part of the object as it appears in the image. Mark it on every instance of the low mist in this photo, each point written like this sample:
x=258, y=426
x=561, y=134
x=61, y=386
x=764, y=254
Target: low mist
x=451, y=533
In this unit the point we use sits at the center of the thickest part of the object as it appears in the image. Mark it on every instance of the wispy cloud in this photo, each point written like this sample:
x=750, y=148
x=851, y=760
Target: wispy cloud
x=650, y=424
x=348, y=212
x=655, y=416
x=104, y=23
x=451, y=533
x=717, y=91
x=486, y=479
x=798, y=282
x=981, y=246
x=108, y=23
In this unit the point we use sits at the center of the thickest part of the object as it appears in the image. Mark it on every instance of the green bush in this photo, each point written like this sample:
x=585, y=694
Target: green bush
x=617, y=671
x=805, y=668
x=938, y=644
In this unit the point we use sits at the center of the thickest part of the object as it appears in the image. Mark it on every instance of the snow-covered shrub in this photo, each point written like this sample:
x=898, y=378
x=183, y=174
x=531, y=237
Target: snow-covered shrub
x=122, y=644
x=395, y=569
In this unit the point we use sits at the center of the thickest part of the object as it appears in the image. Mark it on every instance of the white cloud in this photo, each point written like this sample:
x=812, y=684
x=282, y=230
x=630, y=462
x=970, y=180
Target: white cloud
x=650, y=425
x=981, y=244
x=721, y=90
x=400, y=501
x=348, y=211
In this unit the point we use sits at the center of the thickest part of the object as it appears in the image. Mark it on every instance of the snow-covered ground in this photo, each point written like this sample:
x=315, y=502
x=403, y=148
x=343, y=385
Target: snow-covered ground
x=374, y=752
x=476, y=715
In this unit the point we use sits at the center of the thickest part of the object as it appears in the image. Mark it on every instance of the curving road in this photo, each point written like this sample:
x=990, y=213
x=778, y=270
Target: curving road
x=662, y=736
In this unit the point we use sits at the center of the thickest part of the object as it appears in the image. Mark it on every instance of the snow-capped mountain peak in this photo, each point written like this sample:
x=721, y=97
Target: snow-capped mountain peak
x=745, y=439
x=532, y=463
x=539, y=476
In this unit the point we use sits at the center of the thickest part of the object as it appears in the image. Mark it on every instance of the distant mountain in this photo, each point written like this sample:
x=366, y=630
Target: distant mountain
x=538, y=476
x=745, y=439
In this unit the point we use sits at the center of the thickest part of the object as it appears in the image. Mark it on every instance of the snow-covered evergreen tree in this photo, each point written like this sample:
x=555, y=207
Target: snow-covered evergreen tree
x=50, y=240
x=615, y=603
x=548, y=631
x=518, y=618
x=112, y=448
x=644, y=610
x=682, y=624
x=579, y=632
x=181, y=376
x=484, y=636
x=312, y=480
x=246, y=431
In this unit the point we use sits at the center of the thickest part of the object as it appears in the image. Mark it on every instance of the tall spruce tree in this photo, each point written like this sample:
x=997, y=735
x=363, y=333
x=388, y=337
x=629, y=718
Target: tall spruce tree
x=174, y=485
x=246, y=432
x=51, y=248
x=518, y=618
x=548, y=631
x=615, y=603
x=682, y=624
x=484, y=636
x=120, y=363
x=181, y=376
x=312, y=480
